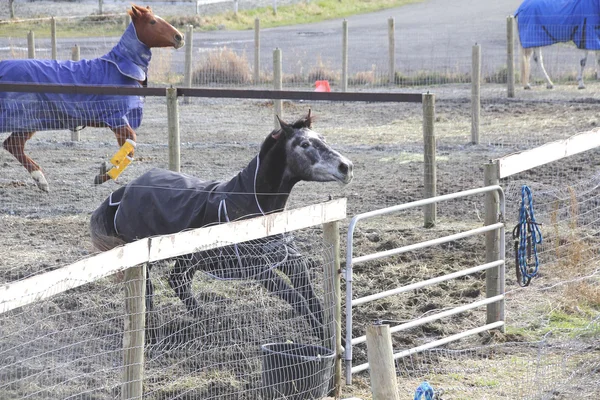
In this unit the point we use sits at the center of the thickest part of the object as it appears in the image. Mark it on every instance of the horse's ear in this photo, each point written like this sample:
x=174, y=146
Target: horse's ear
x=286, y=128
x=134, y=12
x=137, y=11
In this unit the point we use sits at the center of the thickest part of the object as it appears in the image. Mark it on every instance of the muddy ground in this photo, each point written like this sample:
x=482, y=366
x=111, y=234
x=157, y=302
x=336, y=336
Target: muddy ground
x=44, y=231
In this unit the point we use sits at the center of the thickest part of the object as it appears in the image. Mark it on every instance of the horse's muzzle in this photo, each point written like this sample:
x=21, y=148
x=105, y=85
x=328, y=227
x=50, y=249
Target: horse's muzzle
x=345, y=168
x=179, y=41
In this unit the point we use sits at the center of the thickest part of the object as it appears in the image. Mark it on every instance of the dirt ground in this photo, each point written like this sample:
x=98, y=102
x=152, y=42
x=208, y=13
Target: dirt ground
x=44, y=231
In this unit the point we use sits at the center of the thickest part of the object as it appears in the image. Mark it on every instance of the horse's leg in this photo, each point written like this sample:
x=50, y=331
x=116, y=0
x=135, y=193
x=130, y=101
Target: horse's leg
x=278, y=286
x=15, y=145
x=180, y=280
x=151, y=329
x=296, y=269
x=582, y=62
x=125, y=136
x=526, y=67
x=537, y=56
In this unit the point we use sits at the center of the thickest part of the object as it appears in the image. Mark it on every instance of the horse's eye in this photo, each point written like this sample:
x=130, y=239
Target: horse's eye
x=152, y=22
x=304, y=145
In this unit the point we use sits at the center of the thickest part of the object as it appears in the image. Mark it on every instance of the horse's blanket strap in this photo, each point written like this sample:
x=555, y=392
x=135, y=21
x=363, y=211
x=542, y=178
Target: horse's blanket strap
x=125, y=65
x=113, y=203
x=545, y=22
x=173, y=202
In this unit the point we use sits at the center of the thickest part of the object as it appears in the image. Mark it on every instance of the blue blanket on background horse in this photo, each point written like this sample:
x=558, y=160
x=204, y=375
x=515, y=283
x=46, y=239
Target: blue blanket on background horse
x=545, y=22
x=125, y=65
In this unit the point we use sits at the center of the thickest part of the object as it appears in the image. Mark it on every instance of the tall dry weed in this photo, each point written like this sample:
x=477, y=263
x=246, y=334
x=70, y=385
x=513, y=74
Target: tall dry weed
x=222, y=66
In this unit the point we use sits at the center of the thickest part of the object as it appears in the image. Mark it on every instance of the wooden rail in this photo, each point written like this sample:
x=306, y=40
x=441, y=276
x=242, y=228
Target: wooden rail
x=43, y=286
x=518, y=162
x=214, y=93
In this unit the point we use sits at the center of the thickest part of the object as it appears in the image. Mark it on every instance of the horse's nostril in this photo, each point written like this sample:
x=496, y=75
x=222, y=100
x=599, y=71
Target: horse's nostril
x=178, y=38
x=343, y=168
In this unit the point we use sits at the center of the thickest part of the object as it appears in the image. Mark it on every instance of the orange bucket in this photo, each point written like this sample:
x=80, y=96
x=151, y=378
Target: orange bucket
x=322, y=86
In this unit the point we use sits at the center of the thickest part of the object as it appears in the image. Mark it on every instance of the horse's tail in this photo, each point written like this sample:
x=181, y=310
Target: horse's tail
x=102, y=229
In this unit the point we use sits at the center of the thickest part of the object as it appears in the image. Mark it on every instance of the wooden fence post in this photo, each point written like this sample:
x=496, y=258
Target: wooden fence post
x=189, y=54
x=100, y=7
x=382, y=368
x=475, y=93
x=344, y=56
x=75, y=56
x=256, y=51
x=510, y=56
x=54, y=54
x=277, y=85
x=31, y=44
x=173, y=123
x=127, y=20
x=392, y=50
x=75, y=53
x=235, y=6
x=494, y=277
x=429, y=158
x=133, y=333
x=333, y=306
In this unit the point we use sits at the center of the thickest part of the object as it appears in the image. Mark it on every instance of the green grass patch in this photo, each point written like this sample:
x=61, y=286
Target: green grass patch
x=300, y=13
x=90, y=26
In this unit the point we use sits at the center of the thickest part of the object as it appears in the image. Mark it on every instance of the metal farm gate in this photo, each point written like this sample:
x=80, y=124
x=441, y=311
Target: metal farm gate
x=494, y=269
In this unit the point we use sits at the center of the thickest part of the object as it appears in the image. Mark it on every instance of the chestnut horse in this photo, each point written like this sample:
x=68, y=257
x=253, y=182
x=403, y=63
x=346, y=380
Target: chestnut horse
x=125, y=65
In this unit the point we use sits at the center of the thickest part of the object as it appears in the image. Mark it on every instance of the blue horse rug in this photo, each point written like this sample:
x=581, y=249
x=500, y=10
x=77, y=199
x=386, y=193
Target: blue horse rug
x=177, y=202
x=545, y=22
x=125, y=65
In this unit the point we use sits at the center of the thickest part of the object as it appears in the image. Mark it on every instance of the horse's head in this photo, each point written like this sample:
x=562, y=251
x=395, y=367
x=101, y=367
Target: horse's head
x=305, y=154
x=154, y=31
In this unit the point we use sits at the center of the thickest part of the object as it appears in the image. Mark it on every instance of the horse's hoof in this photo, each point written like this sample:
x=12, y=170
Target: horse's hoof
x=581, y=87
x=40, y=181
x=549, y=86
x=527, y=87
x=103, y=175
x=100, y=179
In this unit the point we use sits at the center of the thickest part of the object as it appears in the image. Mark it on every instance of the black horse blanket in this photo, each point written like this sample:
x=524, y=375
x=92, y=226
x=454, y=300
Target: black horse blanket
x=125, y=65
x=545, y=22
x=161, y=202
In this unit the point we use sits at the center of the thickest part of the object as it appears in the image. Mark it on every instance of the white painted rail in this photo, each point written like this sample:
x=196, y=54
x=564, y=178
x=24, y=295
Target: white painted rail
x=36, y=288
x=518, y=162
x=350, y=261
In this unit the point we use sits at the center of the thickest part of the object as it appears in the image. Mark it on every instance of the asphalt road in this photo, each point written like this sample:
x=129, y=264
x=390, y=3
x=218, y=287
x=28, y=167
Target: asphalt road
x=435, y=35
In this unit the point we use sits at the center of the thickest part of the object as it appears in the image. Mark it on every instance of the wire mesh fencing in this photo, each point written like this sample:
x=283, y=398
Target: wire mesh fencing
x=261, y=326
x=516, y=370
x=549, y=348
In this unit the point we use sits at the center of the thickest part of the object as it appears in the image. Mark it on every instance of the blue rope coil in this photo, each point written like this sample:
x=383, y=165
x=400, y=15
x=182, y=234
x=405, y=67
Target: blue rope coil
x=529, y=236
x=426, y=390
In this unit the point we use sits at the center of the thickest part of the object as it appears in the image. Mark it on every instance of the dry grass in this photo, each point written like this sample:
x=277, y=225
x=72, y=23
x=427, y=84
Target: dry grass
x=160, y=71
x=222, y=66
x=323, y=72
x=364, y=77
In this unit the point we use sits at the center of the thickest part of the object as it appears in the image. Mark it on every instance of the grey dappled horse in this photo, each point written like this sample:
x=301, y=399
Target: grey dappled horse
x=164, y=202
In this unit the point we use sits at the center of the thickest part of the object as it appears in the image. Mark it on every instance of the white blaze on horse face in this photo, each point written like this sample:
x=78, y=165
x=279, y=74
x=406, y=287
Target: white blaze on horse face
x=311, y=159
